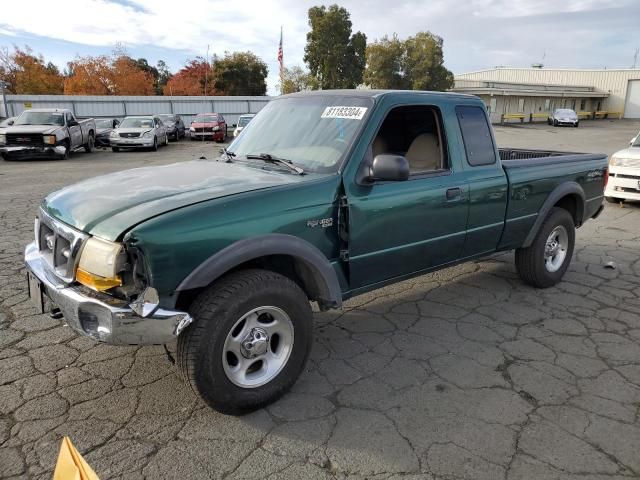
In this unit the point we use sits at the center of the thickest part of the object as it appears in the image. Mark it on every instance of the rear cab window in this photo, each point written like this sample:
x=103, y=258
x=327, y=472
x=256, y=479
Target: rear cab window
x=476, y=135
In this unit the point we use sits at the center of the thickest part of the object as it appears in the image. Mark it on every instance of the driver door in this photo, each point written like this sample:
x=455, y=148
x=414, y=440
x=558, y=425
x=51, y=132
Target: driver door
x=401, y=227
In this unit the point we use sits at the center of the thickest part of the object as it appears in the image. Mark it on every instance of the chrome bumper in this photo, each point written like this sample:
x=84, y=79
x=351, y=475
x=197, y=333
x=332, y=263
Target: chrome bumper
x=45, y=151
x=103, y=317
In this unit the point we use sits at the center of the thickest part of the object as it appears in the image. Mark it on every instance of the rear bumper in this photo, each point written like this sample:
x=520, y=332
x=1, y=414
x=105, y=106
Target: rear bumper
x=103, y=317
x=21, y=152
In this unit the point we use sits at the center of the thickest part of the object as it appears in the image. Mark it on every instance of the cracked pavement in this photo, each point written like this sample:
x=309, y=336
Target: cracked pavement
x=464, y=373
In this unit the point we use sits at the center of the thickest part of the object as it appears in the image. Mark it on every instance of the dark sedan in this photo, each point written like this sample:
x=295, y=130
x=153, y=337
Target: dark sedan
x=104, y=127
x=174, y=124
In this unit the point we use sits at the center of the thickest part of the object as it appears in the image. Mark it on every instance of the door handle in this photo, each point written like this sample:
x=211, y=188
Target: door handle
x=454, y=194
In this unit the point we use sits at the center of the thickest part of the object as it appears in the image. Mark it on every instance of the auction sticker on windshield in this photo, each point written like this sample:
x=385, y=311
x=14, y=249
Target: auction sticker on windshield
x=352, y=113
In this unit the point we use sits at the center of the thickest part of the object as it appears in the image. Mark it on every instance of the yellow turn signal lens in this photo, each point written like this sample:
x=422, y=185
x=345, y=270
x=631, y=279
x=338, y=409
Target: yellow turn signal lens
x=95, y=282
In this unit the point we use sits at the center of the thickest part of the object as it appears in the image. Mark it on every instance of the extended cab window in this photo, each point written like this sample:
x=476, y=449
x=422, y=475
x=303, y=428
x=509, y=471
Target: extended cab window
x=414, y=132
x=476, y=135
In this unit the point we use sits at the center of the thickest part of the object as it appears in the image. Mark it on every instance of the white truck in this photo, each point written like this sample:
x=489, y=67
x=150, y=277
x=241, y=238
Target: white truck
x=46, y=133
x=624, y=173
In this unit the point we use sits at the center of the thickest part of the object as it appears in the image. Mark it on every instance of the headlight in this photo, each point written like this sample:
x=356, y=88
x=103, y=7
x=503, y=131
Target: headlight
x=114, y=134
x=49, y=139
x=613, y=161
x=216, y=128
x=192, y=129
x=148, y=134
x=98, y=267
x=3, y=139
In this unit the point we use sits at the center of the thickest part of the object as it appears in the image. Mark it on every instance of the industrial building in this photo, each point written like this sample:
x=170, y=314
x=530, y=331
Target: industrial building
x=529, y=94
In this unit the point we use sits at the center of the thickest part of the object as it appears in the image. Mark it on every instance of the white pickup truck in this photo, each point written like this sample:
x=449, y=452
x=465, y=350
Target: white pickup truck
x=46, y=133
x=624, y=173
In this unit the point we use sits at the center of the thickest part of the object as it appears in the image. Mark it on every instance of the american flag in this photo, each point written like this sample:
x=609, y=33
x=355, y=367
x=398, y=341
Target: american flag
x=280, y=53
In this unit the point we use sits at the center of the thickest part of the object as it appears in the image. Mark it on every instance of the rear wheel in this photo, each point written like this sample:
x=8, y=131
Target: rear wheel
x=249, y=342
x=88, y=147
x=544, y=263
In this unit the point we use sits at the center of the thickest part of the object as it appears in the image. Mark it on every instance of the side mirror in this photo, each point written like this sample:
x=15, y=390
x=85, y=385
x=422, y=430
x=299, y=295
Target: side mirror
x=391, y=168
x=10, y=122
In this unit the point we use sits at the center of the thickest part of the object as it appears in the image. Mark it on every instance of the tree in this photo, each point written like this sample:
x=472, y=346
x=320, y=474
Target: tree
x=163, y=76
x=191, y=79
x=27, y=73
x=385, y=64
x=417, y=64
x=424, y=63
x=335, y=57
x=240, y=73
x=103, y=75
x=297, y=80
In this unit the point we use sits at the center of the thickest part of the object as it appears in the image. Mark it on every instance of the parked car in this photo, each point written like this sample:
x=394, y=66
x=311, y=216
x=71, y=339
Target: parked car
x=624, y=173
x=46, y=133
x=144, y=131
x=208, y=125
x=347, y=192
x=7, y=122
x=243, y=121
x=563, y=116
x=174, y=124
x=104, y=127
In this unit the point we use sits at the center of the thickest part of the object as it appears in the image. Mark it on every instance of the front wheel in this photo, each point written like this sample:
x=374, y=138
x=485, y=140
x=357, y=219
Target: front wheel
x=155, y=144
x=544, y=263
x=249, y=342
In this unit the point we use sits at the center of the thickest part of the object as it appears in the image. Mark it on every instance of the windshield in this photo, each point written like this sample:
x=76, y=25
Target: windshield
x=40, y=118
x=167, y=118
x=314, y=132
x=104, y=123
x=243, y=121
x=137, y=122
x=206, y=119
x=565, y=111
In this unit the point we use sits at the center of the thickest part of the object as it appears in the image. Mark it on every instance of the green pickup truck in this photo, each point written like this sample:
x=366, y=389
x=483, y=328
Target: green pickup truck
x=323, y=196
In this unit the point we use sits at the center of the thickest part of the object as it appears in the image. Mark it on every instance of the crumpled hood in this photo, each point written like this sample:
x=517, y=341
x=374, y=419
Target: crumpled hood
x=631, y=152
x=109, y=205
x=18, y=129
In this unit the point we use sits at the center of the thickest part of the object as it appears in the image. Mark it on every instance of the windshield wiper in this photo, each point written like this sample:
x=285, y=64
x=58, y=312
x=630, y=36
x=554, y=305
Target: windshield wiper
x=228, y=154
x=267, y=157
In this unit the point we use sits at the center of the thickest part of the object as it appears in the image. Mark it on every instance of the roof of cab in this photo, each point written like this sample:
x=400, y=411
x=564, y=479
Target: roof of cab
x=366, y=93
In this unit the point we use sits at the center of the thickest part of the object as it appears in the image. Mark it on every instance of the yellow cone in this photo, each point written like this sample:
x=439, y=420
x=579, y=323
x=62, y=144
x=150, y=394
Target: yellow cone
x=71, y=465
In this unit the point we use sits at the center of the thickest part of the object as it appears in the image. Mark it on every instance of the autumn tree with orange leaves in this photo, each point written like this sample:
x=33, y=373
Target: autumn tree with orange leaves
x=191, y=80
x=26, y=73
x=107, y=76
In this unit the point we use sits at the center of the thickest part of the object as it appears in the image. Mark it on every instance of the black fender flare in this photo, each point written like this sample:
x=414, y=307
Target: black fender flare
x=561, y=191
x=307, y=256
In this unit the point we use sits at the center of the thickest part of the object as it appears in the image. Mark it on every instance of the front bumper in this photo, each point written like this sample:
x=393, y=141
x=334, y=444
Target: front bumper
x=624, y=183
x=136, y=142
x=24, y=152
x=103, y=317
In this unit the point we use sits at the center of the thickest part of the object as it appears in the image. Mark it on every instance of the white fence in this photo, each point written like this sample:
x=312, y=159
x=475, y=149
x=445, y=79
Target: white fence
x=120, y=106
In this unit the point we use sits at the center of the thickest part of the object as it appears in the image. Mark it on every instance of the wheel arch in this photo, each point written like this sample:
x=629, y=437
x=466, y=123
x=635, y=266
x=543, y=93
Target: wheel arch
x=568, y=196
x=285, y=254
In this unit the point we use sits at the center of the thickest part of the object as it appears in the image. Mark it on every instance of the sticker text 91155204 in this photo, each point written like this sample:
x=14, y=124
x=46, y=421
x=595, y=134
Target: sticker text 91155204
x=351, y=113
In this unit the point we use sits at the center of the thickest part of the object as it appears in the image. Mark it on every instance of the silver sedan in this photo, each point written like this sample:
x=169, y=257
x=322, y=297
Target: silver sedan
x=139, y=132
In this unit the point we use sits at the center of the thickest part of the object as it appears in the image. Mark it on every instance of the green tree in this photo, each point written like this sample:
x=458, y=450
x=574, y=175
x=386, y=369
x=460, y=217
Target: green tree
x=416, y=64
x=424, y=63
x=335, y=57
x=385, y=64
x=297, y=80
x=164, y=75
x=239, y=73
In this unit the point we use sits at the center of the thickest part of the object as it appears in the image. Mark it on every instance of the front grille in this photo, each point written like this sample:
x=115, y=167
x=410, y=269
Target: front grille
x=204, y=129
x=28, y=139
x=130, y=135
x=59, y=245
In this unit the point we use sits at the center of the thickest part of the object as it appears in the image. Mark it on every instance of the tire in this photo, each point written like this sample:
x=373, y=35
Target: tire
x=204, y=349
x=88, y=147
x=541, y=271
x=548, y=122
x=555, y=123
x=155, y=144
x=115, y=149
x=67, y=152
x=166, y=139
x=614, y=200
x=577, y=124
